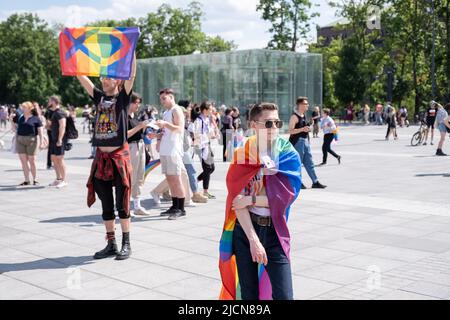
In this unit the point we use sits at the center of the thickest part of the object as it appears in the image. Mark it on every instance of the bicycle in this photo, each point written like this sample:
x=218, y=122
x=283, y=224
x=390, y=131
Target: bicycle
x=420, y=135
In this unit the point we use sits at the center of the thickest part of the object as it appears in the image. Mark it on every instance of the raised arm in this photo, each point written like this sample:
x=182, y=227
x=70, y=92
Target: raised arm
x=129, y=83
x=87, y=84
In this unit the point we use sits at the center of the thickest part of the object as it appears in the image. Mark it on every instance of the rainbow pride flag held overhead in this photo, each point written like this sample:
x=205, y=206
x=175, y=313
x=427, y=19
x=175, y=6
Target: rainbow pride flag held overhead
x=98, y=51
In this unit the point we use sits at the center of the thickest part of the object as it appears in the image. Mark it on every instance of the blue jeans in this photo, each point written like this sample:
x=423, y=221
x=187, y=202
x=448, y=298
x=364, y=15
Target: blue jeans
x=192, y=176
x=278, y=266
x=304, y=150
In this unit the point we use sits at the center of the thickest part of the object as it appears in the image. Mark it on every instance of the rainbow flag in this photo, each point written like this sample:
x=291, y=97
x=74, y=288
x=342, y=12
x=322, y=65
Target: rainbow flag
x=150, y=166
x=98, y=51
x=282, y=188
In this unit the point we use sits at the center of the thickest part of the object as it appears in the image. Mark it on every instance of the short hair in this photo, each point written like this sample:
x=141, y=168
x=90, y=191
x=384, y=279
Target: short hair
x=184, y=103
x=135, y=97
x=167, y=91
x=301, y=100
x=257, y=109
x=228, y=111
x=55, y=99
x=327, y=111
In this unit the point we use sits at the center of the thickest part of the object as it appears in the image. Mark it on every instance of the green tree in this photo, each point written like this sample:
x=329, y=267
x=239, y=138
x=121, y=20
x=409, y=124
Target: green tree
x=290, y=22
x=29, y=59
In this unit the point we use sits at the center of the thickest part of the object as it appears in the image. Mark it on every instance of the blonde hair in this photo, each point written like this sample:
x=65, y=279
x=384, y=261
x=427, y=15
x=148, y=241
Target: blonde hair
x=28, y=105
x=327, y=111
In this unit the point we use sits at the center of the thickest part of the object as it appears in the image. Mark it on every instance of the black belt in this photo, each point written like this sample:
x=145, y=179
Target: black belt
x=261, y=220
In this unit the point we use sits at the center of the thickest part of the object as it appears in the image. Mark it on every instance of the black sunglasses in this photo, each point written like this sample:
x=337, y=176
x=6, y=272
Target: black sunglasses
x=270, y=123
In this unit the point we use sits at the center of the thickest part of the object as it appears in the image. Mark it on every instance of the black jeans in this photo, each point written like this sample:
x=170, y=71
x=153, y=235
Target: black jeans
x=326, y=147
x=49, y=154
x=205, y=176
x=104, y=190
x=278, y=266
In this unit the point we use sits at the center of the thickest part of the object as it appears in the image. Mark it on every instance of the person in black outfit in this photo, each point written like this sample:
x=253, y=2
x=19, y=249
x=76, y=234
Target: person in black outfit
x=226, y=130
x=430, y=118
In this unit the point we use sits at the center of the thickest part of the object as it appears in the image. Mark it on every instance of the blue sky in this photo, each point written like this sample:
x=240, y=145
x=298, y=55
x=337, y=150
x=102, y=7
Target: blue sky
x=232, y=19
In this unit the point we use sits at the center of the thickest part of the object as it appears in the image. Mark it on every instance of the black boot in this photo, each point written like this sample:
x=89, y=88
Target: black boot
x=125, y=252
x=110, y=250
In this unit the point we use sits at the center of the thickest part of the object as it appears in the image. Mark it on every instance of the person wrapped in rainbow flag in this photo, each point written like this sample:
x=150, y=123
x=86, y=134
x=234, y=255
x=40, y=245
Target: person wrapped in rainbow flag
x=263, y=181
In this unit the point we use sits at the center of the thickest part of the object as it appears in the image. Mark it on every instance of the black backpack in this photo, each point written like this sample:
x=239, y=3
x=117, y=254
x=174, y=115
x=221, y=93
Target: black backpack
x=71, y=130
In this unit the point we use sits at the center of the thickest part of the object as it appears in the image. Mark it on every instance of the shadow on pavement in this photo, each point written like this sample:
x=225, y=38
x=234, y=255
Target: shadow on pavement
x=92, y=220
x=46, y=264
x=432, y=175
x=17, y=188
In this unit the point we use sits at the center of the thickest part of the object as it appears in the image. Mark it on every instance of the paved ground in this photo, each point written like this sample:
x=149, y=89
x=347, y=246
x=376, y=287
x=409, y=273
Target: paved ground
x=381, y=230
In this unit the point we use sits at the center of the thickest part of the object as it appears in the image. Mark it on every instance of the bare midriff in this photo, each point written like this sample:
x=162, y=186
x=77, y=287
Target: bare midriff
x=108, y=149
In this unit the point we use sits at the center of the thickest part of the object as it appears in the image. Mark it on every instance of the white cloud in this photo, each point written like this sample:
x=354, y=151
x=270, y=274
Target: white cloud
x=235, y=20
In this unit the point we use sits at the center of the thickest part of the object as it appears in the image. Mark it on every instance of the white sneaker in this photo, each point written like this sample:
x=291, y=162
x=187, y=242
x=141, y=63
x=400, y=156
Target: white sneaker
x=156, y=198
x=141, y=212
x=54, y=183
x=61, y=184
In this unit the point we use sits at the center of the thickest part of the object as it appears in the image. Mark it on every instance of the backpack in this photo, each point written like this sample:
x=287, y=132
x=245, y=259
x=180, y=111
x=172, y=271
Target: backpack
x=71, y=130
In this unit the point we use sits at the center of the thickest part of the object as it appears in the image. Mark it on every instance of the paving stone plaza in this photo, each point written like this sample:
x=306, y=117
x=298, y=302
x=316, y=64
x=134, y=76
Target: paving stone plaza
x=380, y=230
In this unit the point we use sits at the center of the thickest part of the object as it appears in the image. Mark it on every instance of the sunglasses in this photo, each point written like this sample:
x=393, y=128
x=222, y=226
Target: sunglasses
x=270, y=123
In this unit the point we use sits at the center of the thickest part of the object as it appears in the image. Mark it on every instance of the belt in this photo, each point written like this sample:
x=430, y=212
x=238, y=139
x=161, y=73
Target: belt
x=261, y=220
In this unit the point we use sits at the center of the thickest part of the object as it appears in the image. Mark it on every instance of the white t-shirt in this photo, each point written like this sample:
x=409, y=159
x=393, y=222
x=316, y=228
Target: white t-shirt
x=171, y=142
x=256, y=186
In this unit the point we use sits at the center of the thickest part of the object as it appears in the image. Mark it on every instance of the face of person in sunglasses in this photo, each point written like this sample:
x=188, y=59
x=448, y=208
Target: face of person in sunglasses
x=262, y=127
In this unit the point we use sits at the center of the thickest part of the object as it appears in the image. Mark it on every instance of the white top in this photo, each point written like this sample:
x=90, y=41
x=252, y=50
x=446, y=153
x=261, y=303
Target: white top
x=328, y=125
x=171, y=142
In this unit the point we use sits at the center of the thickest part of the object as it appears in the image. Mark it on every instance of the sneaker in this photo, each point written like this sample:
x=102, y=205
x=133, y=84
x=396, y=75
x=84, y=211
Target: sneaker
x=424, y=144
x=169, y=211
x=156, y=198
x=339, y=159
x=178, y=214
x=318, y=185
x=432, y=143
x=304, y=187
x=61, y=184
x=141, y=212
x=440, y=153
x=35, y=183
x=54, y=183
x=199, y=198
x=208, y=195
x=25, y=183
x=166, y=196
x=49, y=167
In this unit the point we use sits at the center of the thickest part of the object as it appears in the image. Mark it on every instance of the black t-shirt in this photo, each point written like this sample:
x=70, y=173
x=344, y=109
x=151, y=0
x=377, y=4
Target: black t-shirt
x=48, y=115
x=300, y=124
x=29, y=127
x=431, y=114
x=111, y=121
x=132, y=123
x=315, y=114
x=57, y=115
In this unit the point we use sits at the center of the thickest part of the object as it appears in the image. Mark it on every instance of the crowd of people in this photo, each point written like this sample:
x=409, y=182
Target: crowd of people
x=126, y=136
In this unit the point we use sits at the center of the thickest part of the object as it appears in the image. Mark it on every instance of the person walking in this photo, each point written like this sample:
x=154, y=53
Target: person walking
x=391, y=124
x=442, y=121
x=204, y=130
x=328, y=126
x=299, y=137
